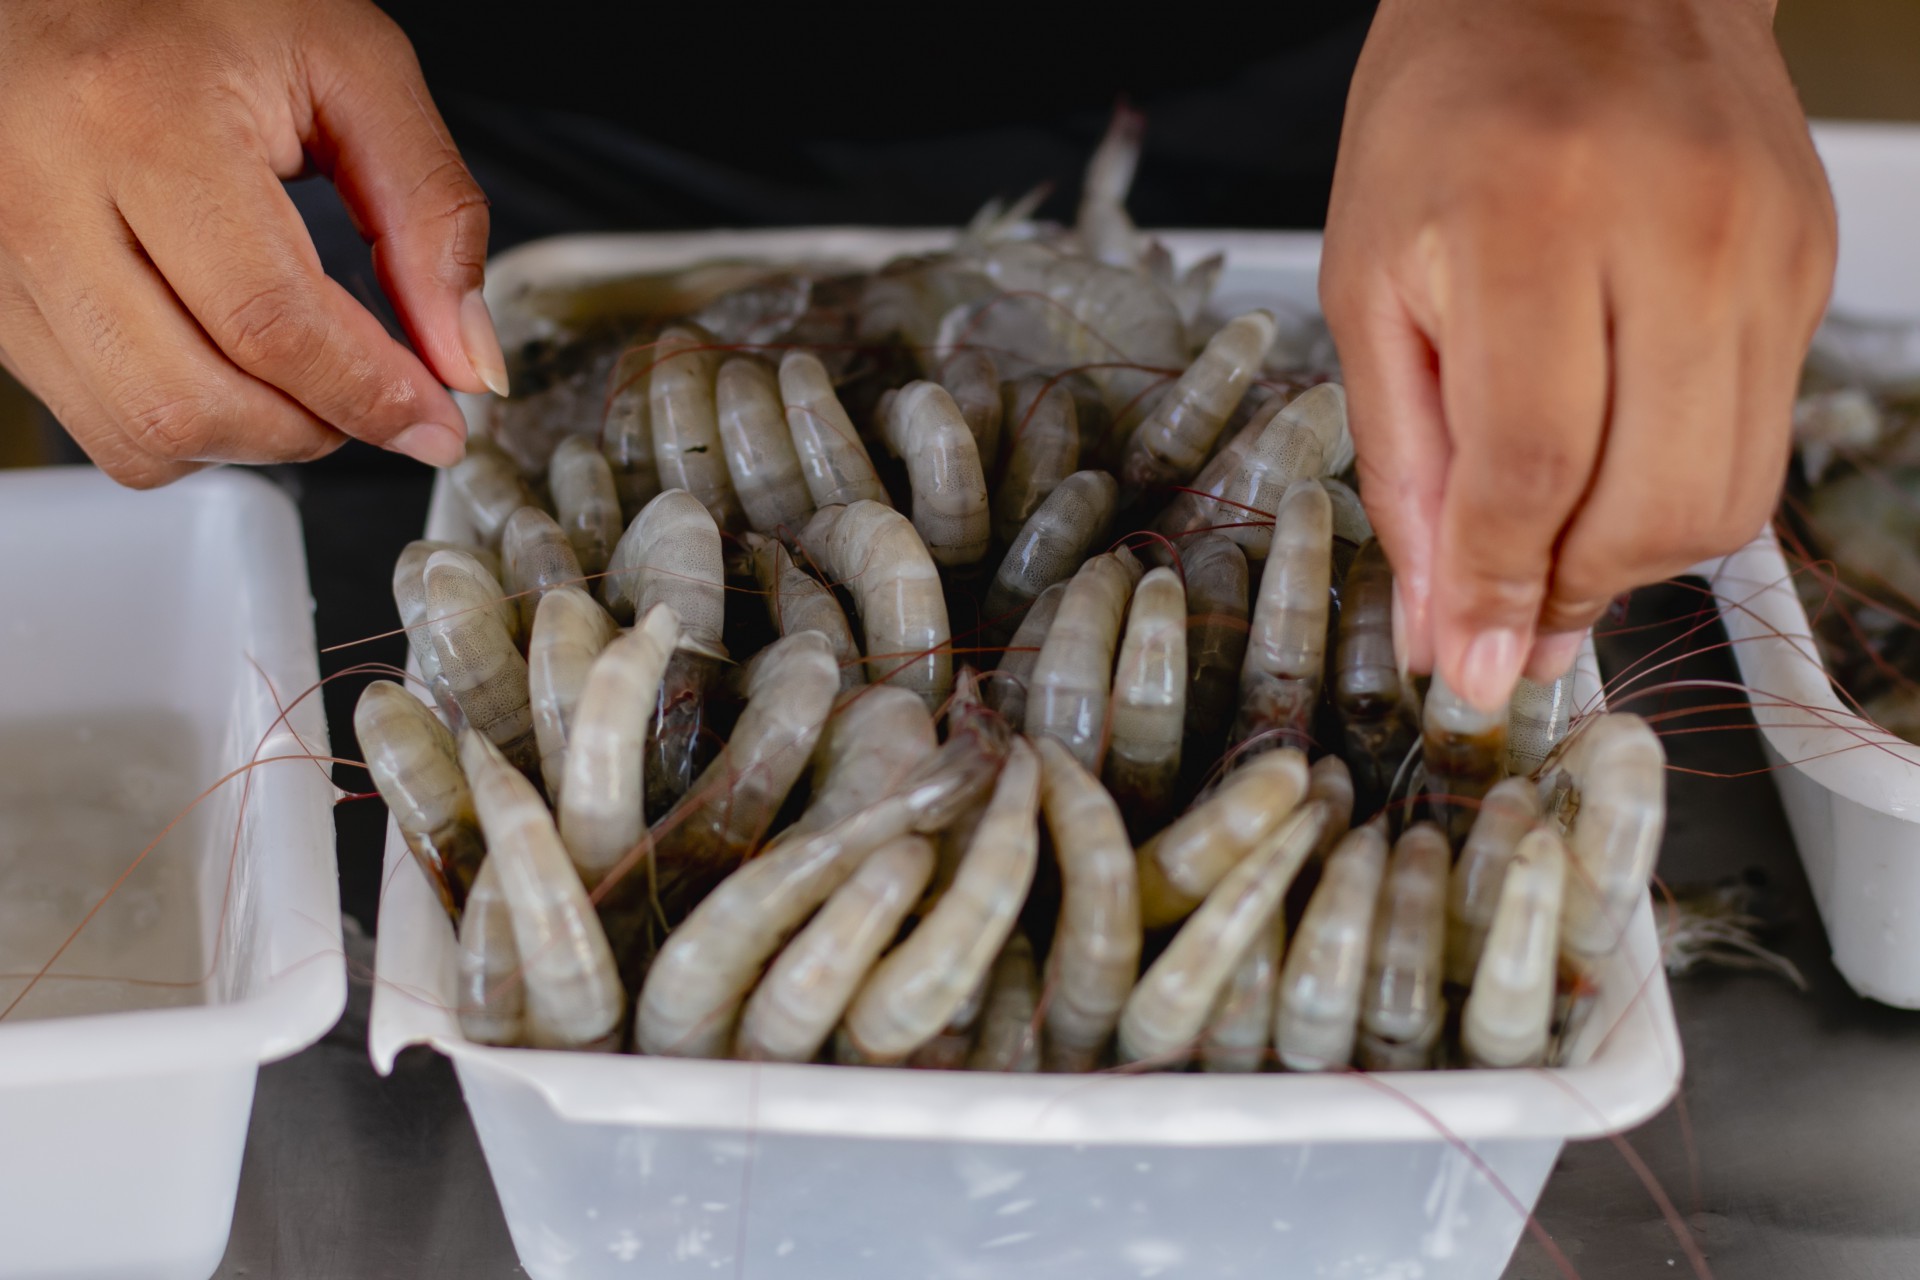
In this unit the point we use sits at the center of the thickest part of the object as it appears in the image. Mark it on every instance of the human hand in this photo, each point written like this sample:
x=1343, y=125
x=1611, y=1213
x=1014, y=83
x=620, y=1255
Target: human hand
x=1575, y=254
x=158, y=290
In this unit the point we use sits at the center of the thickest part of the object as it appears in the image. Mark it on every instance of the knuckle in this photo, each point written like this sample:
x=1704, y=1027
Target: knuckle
x=175, y=425
x=268, y=327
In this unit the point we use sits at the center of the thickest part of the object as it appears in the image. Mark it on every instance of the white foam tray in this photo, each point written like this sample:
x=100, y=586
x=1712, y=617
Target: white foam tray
x=121, y=1134
x=629, y=1166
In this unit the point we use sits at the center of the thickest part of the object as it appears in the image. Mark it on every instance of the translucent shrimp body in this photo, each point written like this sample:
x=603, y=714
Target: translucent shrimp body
x=1008, y=1040
x=1149, y=708
x=1045, y=428
x=585, y=501
x=1096, y=948
x=569, y=631
x=489, y=487
x=1052, y=544
x=797, y=601
x=872, y=551
x=416, y=768
x=916, y=988
x=602, y=803
x=626, y=435
x=1217, y=589
x=1181, y=865
x=1618, y=771
x=536, y=557
x=1367, y=688
x=1401, y=1011
x=832, y=457
x=1241, y=1023
x=1537, y=719
x=686, y=423
x=1007, y=693
x=1168, y=1010
x=483, y=669
x=493, y=999
x=1317, y=1010
x=1509, y=811
x=761, y=461
x=410, y=602
x=573, y=995
x=809, y=985
x=1330, y=782
x=1287, y=643
x=671, y=554
x=926, y=430
x=1072, y=680
x=867, y=748
x=1465, y=753
x=1509, y=1011
x=1174, y=441
x=973, y=380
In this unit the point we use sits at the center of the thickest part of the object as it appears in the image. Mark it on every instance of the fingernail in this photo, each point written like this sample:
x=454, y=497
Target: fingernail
x=433, y=443
x=482, y=344
x=1553, y=654
x=1490, y=666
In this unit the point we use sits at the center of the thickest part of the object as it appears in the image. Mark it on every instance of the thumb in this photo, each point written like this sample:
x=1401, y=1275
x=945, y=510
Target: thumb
x=379, y=137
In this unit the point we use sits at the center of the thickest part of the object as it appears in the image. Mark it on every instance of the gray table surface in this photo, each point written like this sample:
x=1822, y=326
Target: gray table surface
x=1803, y=1161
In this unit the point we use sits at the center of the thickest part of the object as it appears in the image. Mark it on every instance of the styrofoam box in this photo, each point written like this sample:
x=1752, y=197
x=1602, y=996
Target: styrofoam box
x=1851, y=790
x=629, y=1166
x=121, y=1133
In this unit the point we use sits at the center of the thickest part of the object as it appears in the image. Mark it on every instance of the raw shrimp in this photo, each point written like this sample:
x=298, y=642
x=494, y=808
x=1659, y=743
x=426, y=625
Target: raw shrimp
x=832, y=456
x=1168, y=1009
x=1506, y=1021
x=1464, y=752
x=602, y=812
x=1611, y=798
x=536, y=557
x=690, y=1001
x=1351, y=527
x=1068, y=695
x=626, y=435
x=1330, y=782
x=416, y=768
x=1172, y=444
x=972, y=379
x=483, y=669
x=1238, y=1028
x=809, y=985
x=1317, y=1009
x=873, y=552
x=918, y=986
x=1049, y=547
x=686, y=424
x=1401, y=1011
x=671, y=554
x=866, y=748
x=1375, y=722
x=1046, y=450
x=1216, y=584
x=1240, y=488
x=1509, y=810
x=924, y=428
x=569, y=631
x=947, y=1048
x=573, y=995
x=490, y=489
x=585, y=501
x=796, y=601
x=1006, y=1041
x=493, y=1000
x=1537, y=719
x=761, y=460
x=1149, y=708
x=1181, y=865
x=410, y=601
x=1007, y=693
x=1104, y=230
x=1096, y=946
x=1287, y=642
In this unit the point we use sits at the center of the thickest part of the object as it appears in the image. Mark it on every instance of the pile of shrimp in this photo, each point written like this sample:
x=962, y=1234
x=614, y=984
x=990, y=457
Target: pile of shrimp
x=978, y=663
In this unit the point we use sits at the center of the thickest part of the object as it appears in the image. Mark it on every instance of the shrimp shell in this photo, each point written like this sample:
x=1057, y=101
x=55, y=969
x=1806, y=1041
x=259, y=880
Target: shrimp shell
x=416, y=768
x=586, y=501
x=537, y=557
x=569, y=631
x=796, y=601
x=1217, y=588
x=1376, y=724
x=1330, y=782
x=866, y=748
x=573, y=995
x=1168, y=1010
x=489, y=487
x=917, y=988
x=1351, y=527
x=1509, y=1011
x=1465, y=753
x=602, y=809
x=1537, y=718
x=1046, y=450
x=972, y=379
x=1007, y=1041
x=1172, y=444
x=686, y=423
x=410, y=602
x=493, y=999
x=671, y=554
x=1149, y=709
x=1181, y=865
x=761, y=460
x=1317, y=1007
x=809, y=985
x=873, y=552
x=1237, y=1031
x=925, y=429
x=1072, y=679
x=1618, y=771
x=484, y=671
x=1049, y=548
x=1401, y=1011
x=835, y=462
x=1007, y=693
x=1287, y=642
x=1096, y=948
x=1509, y=811
x=626, y=434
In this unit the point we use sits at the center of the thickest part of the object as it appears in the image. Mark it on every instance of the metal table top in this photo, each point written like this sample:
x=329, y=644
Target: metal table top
x=1790, y=1155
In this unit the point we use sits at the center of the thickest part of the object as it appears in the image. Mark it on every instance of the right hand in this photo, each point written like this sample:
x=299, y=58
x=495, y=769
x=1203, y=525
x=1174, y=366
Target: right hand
x=158, y=290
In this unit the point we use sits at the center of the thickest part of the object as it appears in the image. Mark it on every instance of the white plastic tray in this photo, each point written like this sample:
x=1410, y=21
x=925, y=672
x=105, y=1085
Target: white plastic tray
x=121, y=1134
x=630, y=1166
